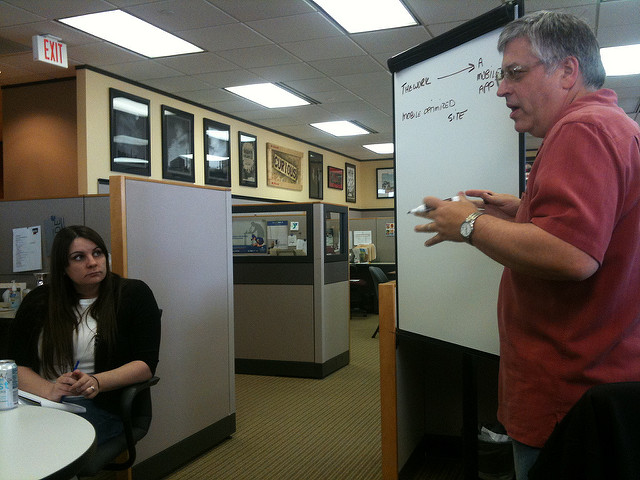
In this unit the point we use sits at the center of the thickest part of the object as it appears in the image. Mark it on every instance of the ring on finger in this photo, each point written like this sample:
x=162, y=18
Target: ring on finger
x=92, y=388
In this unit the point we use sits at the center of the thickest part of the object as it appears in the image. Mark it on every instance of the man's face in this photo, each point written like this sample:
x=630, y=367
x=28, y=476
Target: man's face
x=534, y=97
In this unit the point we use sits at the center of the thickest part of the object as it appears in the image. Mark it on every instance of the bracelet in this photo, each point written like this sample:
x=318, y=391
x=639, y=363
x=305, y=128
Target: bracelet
x=96, y=379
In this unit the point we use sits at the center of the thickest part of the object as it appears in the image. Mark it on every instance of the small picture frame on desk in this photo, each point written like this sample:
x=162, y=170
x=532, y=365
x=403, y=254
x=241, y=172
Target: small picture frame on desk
x=248, y=161
x=335, y=177
x=217, y=163
x=385, y=183
x=129, y=133
x=177, y=145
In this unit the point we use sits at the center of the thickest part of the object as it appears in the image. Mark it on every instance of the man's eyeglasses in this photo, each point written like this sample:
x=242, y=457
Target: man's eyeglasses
x=514, y=73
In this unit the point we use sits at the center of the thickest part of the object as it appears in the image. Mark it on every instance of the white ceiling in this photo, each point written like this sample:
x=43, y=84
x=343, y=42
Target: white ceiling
x=288, y=41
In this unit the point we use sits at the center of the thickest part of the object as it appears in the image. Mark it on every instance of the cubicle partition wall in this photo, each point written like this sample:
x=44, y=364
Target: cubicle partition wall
x=177, y=238
x=291, y=289
x=383, y=236
x=91, y=210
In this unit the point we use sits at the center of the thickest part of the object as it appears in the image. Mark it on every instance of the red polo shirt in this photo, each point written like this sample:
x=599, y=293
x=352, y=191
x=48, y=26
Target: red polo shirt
x=559, y=338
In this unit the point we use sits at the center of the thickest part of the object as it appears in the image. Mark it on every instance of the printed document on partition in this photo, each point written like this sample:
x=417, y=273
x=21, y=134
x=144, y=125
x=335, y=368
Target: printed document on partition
x=27, y=249
x=363, y=237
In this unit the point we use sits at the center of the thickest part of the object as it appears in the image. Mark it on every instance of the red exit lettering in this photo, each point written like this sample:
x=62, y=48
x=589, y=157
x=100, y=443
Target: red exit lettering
x=52, y=50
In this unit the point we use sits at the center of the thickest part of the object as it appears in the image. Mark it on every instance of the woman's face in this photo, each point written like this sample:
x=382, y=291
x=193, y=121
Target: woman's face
x=87, y=267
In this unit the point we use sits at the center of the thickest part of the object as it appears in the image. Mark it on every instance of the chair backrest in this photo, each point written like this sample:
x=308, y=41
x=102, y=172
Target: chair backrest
x=378, y=277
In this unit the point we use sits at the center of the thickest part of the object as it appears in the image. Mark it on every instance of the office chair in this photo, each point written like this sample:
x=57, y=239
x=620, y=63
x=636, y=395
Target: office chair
x=599, y=439
x=378, y=277
x=135, y=411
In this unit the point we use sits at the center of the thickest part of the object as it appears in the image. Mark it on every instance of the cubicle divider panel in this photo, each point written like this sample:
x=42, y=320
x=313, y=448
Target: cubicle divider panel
x=90, y=210
x=118, y=218
x=382, y=235
x=177, y=238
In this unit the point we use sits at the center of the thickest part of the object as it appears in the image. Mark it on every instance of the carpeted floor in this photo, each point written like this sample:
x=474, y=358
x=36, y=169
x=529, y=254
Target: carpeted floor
x=304, y=429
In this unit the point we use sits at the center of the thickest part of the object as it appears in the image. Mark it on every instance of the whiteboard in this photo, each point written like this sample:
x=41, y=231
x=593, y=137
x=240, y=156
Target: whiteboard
x=452, y=133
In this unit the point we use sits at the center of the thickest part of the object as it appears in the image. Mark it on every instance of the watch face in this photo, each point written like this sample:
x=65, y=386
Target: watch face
x=465, y=229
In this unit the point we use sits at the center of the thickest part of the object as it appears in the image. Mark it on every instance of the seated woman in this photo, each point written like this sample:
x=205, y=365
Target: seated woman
x=86, y=333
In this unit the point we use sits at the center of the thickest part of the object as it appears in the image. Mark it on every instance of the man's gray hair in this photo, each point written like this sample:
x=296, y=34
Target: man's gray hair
x=555, y=36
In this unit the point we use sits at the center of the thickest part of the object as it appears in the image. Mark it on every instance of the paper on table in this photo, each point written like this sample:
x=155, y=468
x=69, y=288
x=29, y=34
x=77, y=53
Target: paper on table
x=26, y=398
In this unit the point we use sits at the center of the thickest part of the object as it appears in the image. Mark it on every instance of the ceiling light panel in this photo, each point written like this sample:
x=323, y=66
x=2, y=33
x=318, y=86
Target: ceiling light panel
x=129, y=32
x=623, y=60
x=341, y=128
x=357, y=16
x=380, y=148
x=268, y=95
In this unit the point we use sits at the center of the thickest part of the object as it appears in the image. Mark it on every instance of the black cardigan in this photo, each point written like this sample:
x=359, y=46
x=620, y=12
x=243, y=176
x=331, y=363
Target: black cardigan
x=137, y=337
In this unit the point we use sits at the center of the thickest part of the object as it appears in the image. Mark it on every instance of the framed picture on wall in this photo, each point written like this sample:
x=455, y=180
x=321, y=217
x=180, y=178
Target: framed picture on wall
x=316, y=169
x=334, y=177
x=217, y=162
x=284, y=167
x=350, y=182
x=248, y=161
x=385, y=183
x=177, y=145
x=130, y=133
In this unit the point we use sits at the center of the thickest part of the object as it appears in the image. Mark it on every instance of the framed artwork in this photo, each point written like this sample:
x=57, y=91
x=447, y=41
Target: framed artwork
x=315, y=175
x=130, y=133
x=350, y=182
x=217, y=162
x=334, y=177
x=248, y=161
x=385, y=183
x=177, y=145
x=284, y=167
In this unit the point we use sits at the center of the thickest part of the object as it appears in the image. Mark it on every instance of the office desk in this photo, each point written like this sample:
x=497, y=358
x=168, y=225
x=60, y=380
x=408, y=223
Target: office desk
x=43, y=443
x=363, y=295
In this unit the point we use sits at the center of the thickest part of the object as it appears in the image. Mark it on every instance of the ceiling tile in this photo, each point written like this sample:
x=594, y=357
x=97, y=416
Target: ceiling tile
x=334, y=47
x=197, y=63
x=348, y=66
x=296, y=27
x=255, y=57
x=171, y=14
x=249, y=10
x=142, y=70
x=224, y=37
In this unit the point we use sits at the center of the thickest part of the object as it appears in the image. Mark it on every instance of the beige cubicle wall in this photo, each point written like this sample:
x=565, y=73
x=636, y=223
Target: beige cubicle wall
x=292, y=311
x=177, y=237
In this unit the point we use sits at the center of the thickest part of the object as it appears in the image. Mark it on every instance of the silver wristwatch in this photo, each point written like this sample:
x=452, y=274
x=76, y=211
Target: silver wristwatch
x=466, y=228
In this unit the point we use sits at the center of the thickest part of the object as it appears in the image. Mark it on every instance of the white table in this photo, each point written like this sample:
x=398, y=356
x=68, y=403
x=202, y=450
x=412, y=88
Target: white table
x=39, y=442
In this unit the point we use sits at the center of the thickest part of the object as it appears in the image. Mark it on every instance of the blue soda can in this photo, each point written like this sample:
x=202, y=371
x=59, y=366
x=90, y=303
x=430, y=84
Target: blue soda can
x=8, y=384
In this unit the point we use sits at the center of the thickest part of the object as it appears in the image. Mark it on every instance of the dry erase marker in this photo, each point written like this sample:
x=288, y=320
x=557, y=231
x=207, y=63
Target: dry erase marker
x=76, y=367
x=424, y=209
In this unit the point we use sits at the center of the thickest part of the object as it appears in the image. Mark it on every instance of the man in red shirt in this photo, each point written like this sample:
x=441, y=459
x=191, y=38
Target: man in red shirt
x=569, y=299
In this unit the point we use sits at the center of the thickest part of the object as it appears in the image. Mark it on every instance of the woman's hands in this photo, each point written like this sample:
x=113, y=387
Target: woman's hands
x=73, y=384
x=85, y=385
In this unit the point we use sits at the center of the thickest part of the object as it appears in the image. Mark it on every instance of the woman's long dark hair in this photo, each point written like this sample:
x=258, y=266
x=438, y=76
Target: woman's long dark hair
x=62, y=319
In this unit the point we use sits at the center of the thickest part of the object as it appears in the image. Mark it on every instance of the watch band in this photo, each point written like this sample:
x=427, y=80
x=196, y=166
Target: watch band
x=471, y=220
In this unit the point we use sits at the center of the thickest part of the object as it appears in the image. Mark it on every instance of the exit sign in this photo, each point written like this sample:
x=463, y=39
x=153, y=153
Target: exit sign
x=50, y=50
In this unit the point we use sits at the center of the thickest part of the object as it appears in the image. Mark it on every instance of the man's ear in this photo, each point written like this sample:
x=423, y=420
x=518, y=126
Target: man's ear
x=570, y=68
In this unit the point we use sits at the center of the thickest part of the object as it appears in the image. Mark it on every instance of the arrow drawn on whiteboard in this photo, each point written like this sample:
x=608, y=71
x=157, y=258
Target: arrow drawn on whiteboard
x=471, y=67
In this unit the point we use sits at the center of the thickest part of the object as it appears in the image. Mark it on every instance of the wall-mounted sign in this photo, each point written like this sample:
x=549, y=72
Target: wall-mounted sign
x=50, y=50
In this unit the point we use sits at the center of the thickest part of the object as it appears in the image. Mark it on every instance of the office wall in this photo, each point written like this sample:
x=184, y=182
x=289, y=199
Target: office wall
x=94, y=154
x=39, y=140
